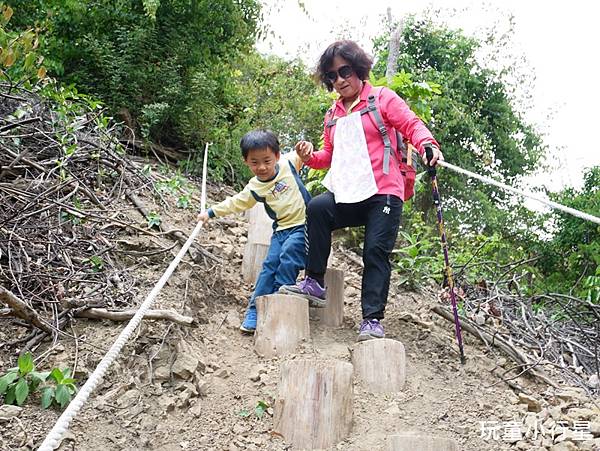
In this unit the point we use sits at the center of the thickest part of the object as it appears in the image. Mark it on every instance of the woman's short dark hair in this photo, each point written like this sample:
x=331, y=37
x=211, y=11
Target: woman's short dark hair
x=349, y=50
x=259, y=139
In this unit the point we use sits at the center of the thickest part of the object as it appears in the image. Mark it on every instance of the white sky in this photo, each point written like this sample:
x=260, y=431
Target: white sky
x=559, y=39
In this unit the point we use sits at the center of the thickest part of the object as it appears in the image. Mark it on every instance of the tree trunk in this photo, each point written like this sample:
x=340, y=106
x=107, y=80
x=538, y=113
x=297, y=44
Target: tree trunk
x=314, y=408
x=380, y=364
x=333, y=314
x=393, y=49
x=411, y=442
x=282, y=324
x=260, y=229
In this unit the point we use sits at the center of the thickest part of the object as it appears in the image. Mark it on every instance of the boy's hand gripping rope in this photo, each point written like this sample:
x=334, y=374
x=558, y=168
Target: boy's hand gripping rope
x=438, y=205
x=62, y=424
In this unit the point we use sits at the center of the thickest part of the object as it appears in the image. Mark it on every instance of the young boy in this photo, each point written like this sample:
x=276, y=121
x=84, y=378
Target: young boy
x=278, y=186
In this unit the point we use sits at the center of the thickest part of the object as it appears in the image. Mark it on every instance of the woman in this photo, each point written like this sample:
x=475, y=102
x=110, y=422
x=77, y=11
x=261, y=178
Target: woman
x=364, y=182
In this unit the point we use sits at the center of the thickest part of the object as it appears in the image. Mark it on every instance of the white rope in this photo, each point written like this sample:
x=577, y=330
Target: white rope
x=62, y=424
x=549, y=203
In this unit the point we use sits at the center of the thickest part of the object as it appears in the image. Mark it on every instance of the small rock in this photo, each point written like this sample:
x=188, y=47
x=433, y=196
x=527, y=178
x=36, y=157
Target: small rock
x=593, y=381
x=128, y=398
x=197, y=409
x=167, y=402
x=580, y=414
x=184, y=398
x=202, y=386
x=233, y=319
x=590, y=445
x=564, y=446
x=187, y=386
x=480, y=318
x=595, y=428
x=7, y=412
x=162, y=373
x=255, y=372
x=222, y=373
x=555, y=412
x=572, y=394
x=533, y=404
x=240, y=429
x=462, y=430
x=187, y=362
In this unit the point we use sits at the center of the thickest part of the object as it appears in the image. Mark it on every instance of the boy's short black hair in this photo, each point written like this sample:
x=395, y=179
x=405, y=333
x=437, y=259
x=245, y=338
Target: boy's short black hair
x=259, y=139
x=358, y=59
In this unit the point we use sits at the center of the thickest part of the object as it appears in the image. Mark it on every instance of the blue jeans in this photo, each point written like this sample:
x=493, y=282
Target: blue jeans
x=285, y=259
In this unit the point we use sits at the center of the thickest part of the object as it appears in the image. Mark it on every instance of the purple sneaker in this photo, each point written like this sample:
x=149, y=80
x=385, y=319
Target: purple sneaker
x=310, y=289
x=370, y=328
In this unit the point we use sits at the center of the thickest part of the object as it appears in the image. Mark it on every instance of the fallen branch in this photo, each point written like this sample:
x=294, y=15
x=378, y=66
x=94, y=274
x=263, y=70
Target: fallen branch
x=12, y=125
x=22, y=310
x=124, y=315
x=498, y=342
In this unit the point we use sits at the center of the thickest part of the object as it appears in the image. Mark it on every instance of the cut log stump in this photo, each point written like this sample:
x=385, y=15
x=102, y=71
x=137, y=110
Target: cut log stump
x=254, y=256
x=314, y=407
x=380, y=364
x=333, y=314
x=260, y=229
x=422, y=442
x=282, y=324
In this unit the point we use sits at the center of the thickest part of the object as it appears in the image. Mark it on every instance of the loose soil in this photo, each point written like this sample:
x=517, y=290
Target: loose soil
x=196, y=388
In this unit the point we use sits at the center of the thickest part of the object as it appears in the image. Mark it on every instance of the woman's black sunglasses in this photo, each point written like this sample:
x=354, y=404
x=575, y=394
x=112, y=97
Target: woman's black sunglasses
x=344, y=72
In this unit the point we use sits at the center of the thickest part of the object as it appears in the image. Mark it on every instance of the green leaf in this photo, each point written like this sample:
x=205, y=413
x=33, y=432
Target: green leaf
x=10, y=395
x=21, y=391
x=47, y=397
x=260, y=409
x=25, y=363
x=39, y=376
x=57, y=375
x=244, y=413
x=6, y=380
x=63, y=396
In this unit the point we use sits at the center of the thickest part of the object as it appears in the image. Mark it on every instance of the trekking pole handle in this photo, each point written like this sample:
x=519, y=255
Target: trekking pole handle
x=429, y=155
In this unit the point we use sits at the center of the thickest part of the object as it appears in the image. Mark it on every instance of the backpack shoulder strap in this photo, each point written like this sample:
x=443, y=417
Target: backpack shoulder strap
x=330, y=113
x=372, y=106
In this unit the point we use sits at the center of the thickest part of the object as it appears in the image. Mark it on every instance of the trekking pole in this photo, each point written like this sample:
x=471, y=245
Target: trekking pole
x=431, y=170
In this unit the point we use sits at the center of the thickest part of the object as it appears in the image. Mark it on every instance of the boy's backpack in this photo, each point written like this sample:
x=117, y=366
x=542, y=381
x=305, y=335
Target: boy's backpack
x=403, y=152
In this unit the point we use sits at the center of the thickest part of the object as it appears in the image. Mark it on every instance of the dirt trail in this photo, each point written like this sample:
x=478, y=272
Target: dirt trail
x=176, y=388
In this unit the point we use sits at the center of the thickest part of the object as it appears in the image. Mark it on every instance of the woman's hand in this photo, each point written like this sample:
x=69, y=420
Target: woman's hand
x=437, y=156
x=304, y=149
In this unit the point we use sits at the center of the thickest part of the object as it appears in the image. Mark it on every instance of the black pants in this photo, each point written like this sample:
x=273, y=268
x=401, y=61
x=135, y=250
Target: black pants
x=380, y=214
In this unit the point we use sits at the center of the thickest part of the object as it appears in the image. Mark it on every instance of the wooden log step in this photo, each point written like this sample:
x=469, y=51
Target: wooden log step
x=380, y=364
x=254, y=256
x=420, y=442
x=282, y=324
x=333, y=314
x=314, y=405
x=260, y=229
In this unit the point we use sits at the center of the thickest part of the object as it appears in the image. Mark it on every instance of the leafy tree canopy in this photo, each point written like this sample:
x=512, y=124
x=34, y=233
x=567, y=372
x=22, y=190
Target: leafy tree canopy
x=474, y=119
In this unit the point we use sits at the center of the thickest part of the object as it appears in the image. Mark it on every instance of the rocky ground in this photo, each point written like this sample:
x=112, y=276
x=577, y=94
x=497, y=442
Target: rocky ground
x=197, y=388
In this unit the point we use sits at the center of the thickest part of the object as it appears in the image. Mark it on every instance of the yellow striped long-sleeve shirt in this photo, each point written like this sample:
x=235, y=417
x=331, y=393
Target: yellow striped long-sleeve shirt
x=284, y=196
